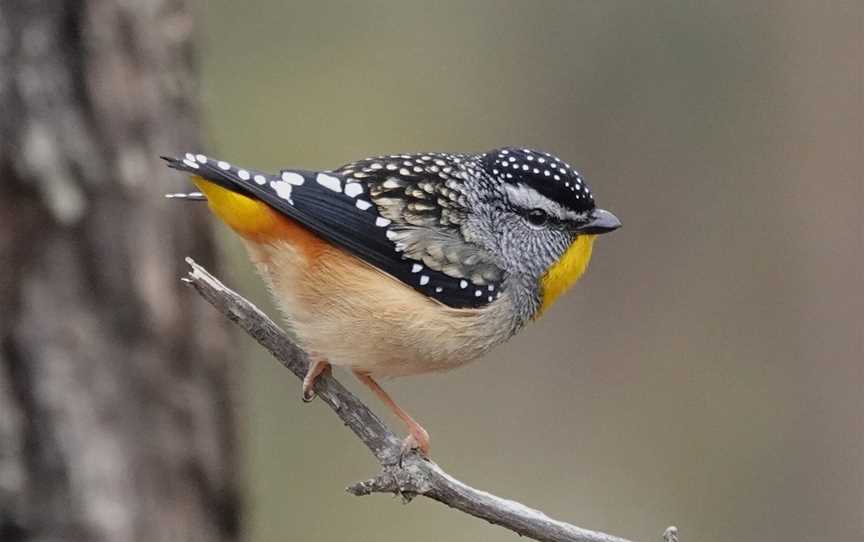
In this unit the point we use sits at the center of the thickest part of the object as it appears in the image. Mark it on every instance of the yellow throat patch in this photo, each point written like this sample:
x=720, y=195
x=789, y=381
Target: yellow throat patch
x=566, y=271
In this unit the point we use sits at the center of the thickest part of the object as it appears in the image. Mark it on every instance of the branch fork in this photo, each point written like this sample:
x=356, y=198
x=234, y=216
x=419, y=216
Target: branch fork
x=415, y=475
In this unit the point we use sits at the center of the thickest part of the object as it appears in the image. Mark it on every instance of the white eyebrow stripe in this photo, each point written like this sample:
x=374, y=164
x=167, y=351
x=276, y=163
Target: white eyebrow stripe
x=525, y=197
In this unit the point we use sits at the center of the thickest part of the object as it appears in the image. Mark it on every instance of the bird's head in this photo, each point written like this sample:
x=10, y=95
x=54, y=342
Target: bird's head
x=537, y=215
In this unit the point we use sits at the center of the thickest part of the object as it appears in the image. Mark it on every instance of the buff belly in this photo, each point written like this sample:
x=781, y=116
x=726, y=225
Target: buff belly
x=353, y=315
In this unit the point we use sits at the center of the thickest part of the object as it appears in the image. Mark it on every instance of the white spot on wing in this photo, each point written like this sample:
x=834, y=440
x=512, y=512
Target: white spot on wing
x=329, y=181
x=382, y=222
x=463, y=284
x=243, y=174
x=293, y=178
x=416, y=268
x=283, y=190
x=424, y=280
x=224, y=165
x=190, y=163
x=260, y=179
x=362, y=204
x=353, y=189
x=201, y=158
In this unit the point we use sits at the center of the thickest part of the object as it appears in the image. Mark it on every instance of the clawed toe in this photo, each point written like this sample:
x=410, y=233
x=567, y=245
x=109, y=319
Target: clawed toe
x=308, y=395
x=316, y=367
x=417, y=440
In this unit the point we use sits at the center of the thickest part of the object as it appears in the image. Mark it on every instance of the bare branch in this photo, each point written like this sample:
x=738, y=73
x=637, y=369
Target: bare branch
x=416, y=476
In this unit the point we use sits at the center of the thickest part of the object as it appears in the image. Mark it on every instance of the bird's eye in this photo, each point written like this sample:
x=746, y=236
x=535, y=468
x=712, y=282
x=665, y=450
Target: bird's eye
x=537, y=217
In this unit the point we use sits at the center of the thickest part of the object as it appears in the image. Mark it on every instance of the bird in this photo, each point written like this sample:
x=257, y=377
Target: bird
x=406, y=264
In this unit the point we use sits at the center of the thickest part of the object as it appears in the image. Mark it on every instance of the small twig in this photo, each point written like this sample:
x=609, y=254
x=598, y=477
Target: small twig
x=416, y=476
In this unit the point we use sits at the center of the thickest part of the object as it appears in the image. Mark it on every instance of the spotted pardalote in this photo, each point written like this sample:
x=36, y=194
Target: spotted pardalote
x=408, y=263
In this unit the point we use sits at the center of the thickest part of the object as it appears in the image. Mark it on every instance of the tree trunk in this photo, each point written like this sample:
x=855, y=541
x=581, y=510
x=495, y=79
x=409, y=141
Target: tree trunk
x=115, y=415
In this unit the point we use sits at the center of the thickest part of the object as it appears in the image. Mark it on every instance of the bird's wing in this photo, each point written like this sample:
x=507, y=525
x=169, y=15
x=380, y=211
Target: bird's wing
x=345, y=207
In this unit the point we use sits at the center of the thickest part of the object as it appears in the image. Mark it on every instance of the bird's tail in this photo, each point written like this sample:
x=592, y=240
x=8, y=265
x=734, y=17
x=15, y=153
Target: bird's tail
x=229, y=191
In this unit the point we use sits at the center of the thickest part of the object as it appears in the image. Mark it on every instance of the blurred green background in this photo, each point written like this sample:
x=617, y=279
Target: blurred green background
x=707, y=372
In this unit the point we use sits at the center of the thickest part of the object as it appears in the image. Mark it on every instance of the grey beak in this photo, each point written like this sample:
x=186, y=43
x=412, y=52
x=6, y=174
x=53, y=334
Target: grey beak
x=601, y=222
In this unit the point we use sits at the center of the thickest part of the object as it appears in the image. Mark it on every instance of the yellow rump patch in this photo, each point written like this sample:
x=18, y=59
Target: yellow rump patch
x=258, y=222
x=564, y=273
x=247, y=216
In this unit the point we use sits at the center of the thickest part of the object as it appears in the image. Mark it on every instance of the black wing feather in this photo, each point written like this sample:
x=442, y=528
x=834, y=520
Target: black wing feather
x=339, y=209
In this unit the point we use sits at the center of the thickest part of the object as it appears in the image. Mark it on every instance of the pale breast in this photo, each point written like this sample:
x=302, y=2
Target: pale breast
x=354, y=315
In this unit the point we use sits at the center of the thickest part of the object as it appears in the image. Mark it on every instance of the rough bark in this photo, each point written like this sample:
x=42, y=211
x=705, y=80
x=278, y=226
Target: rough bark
x=115, y=419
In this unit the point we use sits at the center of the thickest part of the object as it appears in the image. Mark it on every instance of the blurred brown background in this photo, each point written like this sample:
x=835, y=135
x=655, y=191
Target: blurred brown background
x=707, y=372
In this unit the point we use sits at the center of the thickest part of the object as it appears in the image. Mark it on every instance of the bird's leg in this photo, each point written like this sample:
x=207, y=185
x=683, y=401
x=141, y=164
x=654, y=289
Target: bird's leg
x=417, y=436
x=316, y=367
